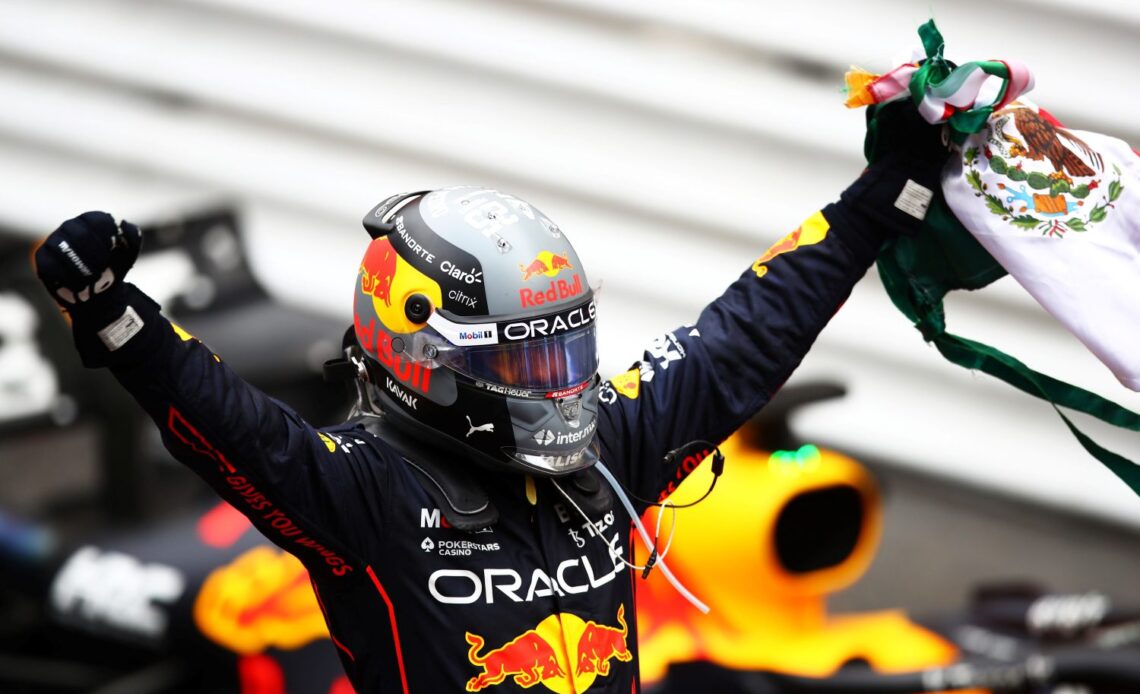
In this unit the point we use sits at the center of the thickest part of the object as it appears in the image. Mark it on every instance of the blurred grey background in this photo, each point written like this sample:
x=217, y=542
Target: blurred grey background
x=673, y=140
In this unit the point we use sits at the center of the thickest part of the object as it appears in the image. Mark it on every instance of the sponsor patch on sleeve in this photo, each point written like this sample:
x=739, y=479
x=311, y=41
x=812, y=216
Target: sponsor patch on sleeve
x=121, y=330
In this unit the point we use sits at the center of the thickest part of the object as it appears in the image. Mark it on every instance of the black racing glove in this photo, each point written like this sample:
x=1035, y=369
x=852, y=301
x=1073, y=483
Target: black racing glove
x=82, y=264
x=85, y=257
x=906, y=156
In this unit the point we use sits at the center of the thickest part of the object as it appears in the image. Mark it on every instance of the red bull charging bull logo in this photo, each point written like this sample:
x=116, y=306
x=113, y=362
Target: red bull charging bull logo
x=388, y=280
x=377, y=270
x=563, y=653
x=545, y=263
x=812, y=231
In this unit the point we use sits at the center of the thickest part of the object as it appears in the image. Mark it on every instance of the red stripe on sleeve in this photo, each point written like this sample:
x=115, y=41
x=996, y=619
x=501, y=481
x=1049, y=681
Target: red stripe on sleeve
x=395, y=632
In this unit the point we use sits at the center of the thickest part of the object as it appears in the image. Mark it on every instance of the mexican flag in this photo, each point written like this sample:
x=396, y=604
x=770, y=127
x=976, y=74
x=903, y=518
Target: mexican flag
x=1057, y=209
x=1060, y=210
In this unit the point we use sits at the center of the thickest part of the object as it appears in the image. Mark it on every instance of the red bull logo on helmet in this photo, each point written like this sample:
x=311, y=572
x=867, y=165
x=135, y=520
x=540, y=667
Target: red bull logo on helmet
x=545, y=263
x=812, y=231
x=386, y=280
x=558, y=290
x=378, y=269
x=563, y=653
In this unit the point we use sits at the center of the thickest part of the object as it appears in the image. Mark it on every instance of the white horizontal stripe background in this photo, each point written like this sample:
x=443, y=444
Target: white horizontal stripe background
x=673, y=140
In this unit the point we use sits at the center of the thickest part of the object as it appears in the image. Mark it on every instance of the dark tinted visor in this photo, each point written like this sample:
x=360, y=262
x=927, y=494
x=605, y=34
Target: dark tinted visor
x=543, y=363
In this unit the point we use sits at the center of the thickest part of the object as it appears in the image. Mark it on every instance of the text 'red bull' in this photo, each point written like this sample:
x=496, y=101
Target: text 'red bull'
x=558, y=289
x=528, y=658
x=379, y=343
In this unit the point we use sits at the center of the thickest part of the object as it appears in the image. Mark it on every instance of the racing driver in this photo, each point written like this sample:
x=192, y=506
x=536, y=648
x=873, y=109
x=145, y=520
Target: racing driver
x=469, y=527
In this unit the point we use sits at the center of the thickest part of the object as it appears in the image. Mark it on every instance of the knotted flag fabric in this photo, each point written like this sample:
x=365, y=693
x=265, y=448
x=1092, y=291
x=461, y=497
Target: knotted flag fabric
x=1057, y=209
x=963, y=96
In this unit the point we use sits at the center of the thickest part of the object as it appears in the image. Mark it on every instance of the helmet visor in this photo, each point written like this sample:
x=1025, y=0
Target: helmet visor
x=550, y=363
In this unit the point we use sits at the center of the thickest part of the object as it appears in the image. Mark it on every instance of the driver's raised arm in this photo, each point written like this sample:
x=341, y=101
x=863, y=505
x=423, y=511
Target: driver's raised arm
x=296, y=484
x=700, y=382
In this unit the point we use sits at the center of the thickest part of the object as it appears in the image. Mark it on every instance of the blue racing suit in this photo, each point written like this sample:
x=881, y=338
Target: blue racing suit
x=541, y=596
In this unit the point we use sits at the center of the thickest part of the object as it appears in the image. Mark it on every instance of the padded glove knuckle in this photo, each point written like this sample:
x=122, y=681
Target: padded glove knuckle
x=86, y=256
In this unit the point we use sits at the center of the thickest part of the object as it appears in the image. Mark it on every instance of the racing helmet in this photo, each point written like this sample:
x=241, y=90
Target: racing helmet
x=476, y=329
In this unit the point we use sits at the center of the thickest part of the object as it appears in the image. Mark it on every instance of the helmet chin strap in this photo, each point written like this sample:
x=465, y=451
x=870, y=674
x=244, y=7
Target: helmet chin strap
x=655, y=559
